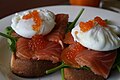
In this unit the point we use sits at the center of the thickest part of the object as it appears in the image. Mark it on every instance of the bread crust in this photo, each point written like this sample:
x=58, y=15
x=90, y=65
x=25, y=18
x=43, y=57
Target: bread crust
x=73, y=74
x=30, y=68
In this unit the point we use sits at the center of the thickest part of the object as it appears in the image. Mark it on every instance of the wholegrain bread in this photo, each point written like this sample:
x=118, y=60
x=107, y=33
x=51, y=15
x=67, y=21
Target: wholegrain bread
x=30, y=68
x=74, y=74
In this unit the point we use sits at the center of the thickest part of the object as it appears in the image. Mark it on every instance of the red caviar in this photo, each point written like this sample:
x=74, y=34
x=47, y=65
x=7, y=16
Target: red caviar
x=100, y=21
x=76, y=32
x=35, y=15
x=86, y=26
x=37, y=43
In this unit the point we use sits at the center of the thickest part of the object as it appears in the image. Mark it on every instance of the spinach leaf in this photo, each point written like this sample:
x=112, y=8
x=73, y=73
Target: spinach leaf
x=13, y=40
x=72, y=24
x=108, y=21
x=8, y=30
x=116, y=64
x=63, y=65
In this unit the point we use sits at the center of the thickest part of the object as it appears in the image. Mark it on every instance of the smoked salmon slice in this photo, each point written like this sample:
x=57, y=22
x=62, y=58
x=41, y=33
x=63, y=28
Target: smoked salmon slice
x=99, y=62
x=58, y=33
x=22, y=49
x=68, y=54
x=38, y=48
x=68, y=38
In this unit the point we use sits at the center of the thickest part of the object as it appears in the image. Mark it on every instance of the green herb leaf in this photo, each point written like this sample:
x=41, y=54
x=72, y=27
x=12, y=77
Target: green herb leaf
x=8, y=30
x=63, y=65
x=108, y=21
x=118, y=67
x=116, y=64
x=71, y=25
x=84, y=68
x=56, y=68
x=62, y=74
x=13, y=40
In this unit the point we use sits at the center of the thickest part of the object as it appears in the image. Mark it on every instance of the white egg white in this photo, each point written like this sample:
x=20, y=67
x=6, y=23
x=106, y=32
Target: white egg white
x=24, y=28
x=98, y=38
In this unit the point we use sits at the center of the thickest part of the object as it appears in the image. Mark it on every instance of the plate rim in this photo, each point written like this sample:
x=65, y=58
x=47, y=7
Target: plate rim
x=7, y=17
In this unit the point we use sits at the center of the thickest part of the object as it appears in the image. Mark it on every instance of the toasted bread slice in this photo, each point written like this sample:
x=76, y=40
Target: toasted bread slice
x=73, y=74
x=30, y=68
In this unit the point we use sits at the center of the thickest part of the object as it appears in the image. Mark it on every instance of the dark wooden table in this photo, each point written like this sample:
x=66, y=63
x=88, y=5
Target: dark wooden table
x=8, y=7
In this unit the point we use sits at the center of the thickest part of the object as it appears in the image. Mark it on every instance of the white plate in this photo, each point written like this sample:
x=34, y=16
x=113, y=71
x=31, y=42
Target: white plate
x=89, y=13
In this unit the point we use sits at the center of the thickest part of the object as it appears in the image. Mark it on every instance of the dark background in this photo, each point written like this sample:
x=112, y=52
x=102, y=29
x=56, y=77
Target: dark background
x=8, y=7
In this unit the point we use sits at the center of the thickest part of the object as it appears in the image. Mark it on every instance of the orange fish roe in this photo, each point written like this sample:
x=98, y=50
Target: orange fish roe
x=86, y=26
x=38, y=21
x=76, y=32
x=37, y=43
x=100, y=21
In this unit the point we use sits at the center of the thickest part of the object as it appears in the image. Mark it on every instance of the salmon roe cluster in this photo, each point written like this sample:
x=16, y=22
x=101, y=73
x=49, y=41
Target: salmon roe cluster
x=100, y=21
x=38, y=21
x=37, y=43
x=86, y=26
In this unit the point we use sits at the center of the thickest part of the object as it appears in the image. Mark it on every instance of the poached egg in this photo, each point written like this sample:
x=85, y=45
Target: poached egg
x=33, y=22
x=96, y=36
